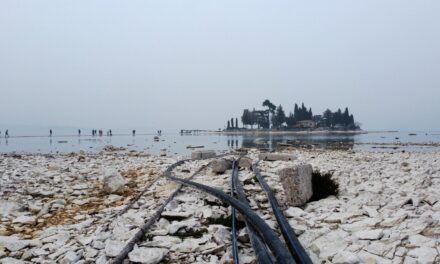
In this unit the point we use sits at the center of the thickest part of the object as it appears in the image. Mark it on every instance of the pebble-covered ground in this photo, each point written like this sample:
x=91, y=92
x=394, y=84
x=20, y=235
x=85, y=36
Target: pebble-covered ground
x=61, y=209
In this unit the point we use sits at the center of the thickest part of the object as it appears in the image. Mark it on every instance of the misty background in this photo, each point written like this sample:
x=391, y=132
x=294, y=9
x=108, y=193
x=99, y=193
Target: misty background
x=175, y=65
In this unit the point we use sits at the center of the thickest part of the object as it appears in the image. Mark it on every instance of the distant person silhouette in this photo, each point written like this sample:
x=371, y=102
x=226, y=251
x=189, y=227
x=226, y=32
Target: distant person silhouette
x=50, y=132
x=110, y=132
x=134, y=132
x=79, y=132
x=6, y=133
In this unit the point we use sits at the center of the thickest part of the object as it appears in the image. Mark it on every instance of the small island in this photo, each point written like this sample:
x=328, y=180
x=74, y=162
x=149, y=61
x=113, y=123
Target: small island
x=274, y=118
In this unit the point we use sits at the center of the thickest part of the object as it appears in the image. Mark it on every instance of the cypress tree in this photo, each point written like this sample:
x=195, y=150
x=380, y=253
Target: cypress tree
x=236, y=122
x=279, y=118
x=351, y=120
x=346, y=117
x=229, y=125
x=232, y=123
x=303, y=112
x=338, y=117
x=296, y=113
x=290, y=120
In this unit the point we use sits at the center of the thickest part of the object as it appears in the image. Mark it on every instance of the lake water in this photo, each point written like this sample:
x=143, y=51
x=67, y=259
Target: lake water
x=177, y=143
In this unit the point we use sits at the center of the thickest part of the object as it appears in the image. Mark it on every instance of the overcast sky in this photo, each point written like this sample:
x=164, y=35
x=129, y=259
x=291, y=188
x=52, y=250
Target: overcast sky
x=194, y=64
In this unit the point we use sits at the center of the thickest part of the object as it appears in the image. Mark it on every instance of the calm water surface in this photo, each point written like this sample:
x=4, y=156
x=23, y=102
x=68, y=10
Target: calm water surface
x=177, y=143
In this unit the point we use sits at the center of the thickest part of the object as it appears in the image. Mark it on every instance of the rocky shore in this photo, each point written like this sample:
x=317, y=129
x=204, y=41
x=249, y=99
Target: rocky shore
x=76, y=208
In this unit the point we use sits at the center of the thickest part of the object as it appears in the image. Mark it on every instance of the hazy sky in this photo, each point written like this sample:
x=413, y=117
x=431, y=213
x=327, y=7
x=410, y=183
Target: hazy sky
x=194, y=64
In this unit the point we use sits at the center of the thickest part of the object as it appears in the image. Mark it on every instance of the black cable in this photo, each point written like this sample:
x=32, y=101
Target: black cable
x=295, y=247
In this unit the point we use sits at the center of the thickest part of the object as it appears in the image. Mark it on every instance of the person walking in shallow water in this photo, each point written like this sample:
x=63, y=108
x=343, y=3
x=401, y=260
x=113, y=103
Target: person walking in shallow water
x=6, y=133
x=50, y=132
x=134, y=132
x=79, y=132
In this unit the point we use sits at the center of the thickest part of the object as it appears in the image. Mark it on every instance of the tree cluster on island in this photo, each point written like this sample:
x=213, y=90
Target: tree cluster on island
x=301, y=118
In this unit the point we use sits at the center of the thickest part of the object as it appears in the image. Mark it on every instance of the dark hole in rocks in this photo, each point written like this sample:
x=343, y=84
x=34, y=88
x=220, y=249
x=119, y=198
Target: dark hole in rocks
x=323, y=186
x=196, y=233
x=409, y=202
x=225, y=221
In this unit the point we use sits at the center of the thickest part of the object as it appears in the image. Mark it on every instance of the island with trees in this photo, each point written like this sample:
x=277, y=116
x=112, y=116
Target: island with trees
x=273, y=117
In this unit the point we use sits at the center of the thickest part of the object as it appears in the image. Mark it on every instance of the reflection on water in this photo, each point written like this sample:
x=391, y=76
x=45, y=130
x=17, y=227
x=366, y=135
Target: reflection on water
x=232, y=143
x=271, y=142
x=183, y=143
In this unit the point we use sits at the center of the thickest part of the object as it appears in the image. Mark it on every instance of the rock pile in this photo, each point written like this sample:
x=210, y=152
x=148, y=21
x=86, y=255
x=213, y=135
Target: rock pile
x=54, y=209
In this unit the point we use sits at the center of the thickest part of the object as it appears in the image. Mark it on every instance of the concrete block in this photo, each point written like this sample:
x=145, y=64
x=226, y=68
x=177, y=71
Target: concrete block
x=297, y=184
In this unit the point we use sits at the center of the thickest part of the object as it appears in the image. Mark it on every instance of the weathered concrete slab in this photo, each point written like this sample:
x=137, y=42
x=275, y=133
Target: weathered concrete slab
x=276, y=156
x=202, y=154
x=297, y=184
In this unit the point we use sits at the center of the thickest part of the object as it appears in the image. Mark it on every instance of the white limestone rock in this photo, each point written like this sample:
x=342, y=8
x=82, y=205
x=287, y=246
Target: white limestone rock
x=13, y=243
x=329, y=244
x=70, y=258
x=423, y=254
x=419, y=240
x=90, y=253
x=188, y=245
x=113, y=247
x=369, y=234
x=345, y=257
x=8, y=207
x=176, y=225
x=24, y=219
x=295, y=212
x=101, y=260
x=163, y=241
x=113, y=182
x=147, y=255
x=222, y=235
x=367, y=257
x=9, y=260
